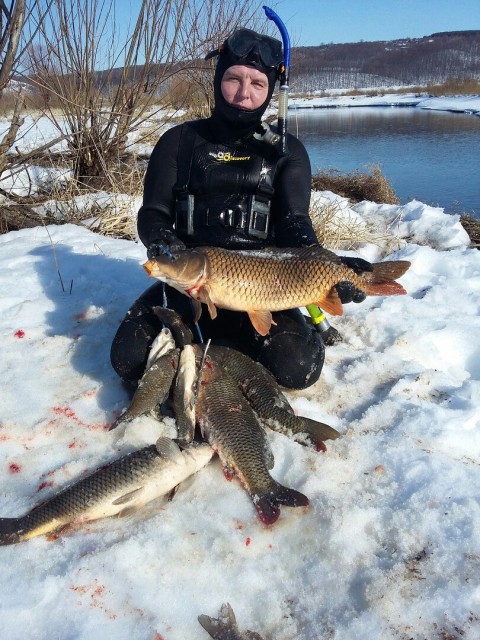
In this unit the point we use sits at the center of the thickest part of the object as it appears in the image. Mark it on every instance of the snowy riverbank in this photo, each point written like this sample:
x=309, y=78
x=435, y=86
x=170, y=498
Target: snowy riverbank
x=390, y=545
x=459, y=104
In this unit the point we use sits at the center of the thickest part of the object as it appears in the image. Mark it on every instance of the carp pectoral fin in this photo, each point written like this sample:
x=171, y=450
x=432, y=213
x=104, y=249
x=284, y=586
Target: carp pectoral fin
x=171, y=493
x=197, y=310
x=127, y=497
x=261, y=320
x=331, y=303
x=212, y=309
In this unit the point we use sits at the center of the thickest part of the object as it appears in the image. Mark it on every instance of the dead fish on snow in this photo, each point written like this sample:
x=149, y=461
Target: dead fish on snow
x=273, y=279
x=267, y=400
x=230, y=426
x=225, y=626
x=155, y=383
x=256, y=383
x=117, y=488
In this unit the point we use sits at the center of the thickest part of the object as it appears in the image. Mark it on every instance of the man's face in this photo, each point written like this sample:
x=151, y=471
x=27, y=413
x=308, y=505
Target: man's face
x=244, y=87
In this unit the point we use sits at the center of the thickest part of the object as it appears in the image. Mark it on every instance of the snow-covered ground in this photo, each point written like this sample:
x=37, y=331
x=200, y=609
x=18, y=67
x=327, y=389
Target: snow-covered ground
x=461, y=104
x=390, y=545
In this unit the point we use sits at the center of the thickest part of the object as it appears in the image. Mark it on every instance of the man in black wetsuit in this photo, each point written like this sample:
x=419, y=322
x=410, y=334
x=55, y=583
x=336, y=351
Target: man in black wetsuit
x=223, y=182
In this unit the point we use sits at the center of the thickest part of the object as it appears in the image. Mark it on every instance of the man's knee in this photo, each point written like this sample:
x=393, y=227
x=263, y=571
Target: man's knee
x=132, y=342
x=295, y=357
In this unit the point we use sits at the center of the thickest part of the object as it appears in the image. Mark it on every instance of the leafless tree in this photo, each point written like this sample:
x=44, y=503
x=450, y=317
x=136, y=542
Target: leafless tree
x=99, y=110
x=11, y=24
x=19, y=23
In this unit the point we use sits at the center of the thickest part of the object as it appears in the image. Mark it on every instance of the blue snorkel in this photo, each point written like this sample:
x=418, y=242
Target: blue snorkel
x=284, y=77
x=329, y=334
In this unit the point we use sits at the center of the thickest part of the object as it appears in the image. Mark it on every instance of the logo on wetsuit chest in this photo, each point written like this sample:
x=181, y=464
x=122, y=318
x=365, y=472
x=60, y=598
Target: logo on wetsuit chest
x=226, y=156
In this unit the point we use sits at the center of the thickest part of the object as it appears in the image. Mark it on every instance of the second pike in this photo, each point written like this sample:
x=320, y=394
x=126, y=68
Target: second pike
x=272, y=279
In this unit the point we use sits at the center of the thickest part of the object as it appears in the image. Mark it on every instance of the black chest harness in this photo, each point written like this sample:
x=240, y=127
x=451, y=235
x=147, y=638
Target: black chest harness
x=247, y=214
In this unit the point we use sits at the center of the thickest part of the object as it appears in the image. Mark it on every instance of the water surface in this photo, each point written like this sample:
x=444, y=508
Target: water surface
x=432, y=156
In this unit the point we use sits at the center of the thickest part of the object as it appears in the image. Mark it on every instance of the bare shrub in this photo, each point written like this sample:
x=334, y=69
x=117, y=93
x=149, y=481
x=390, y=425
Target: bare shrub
x=472, y=227
x=101, y=109
x=335, y=228
x=356, y=186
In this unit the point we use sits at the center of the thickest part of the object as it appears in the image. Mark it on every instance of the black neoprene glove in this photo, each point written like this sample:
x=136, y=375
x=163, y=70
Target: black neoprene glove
x=347, y=292
x=165, y=242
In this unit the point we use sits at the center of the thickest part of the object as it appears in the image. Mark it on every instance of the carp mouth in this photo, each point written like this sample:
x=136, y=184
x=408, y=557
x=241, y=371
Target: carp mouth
x=185, y=272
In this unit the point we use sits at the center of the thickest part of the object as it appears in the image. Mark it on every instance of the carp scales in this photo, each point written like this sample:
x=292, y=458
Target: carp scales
x=267, y=400
x=255, y=382
x=273, y=279
x=118, y=488
x=230, y=426
x=225, y=626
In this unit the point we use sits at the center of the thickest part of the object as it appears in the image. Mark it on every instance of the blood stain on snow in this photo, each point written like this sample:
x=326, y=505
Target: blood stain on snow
x=14, y=467
x=44, y=484
x=19, y=333
x=247, y=542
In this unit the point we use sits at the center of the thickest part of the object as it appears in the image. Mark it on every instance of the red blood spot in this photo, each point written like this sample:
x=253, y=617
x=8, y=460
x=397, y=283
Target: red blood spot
x=51, y=537
x=73, y=444
x=229, y=474
x=19, y=333
x=14, y=468
x=320, y=446
x=247, y=541
x=66, y=411
x=43, y=485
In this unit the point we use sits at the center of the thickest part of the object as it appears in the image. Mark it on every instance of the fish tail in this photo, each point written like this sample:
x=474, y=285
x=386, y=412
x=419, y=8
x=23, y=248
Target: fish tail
x=381, y=281
x=11, y=530
x=317, y=432
x=223, y=626
x=267, y=504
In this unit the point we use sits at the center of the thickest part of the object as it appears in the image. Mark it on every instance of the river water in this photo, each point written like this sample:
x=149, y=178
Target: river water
x=431, y=156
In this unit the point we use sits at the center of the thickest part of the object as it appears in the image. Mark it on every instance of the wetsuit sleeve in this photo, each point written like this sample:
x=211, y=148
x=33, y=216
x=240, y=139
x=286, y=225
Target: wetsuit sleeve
x=157, y=210
x=291, y=201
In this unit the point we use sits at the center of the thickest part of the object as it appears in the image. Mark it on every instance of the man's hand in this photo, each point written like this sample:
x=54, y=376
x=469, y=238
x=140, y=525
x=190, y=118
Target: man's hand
x=165, y=243
x=359, y=265
x=347, y=292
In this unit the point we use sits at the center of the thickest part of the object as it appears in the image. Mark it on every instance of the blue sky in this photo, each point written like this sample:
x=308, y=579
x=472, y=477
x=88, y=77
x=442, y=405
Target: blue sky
x=312, y=22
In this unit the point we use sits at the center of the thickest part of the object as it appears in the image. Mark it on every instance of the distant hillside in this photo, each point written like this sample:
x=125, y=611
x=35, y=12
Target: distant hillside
x=416, y=61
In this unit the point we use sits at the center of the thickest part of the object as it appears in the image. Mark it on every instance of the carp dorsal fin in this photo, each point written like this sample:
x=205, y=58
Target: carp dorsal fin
x=168, y=449
x=261, y=320
x=331, y=303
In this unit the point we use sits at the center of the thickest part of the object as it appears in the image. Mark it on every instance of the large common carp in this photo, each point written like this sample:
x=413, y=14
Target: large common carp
x=126, y=484
x=225, y=626
x=230, y=426
x=267, y=280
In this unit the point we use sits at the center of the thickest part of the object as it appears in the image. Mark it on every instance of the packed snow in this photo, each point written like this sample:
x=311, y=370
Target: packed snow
x=389, y=547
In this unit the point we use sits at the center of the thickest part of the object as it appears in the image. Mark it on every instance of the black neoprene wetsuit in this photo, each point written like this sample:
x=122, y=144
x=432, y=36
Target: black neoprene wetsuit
x=223, y=176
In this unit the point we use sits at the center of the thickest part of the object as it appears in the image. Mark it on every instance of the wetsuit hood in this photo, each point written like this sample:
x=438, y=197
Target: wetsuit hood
x=232, y=122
